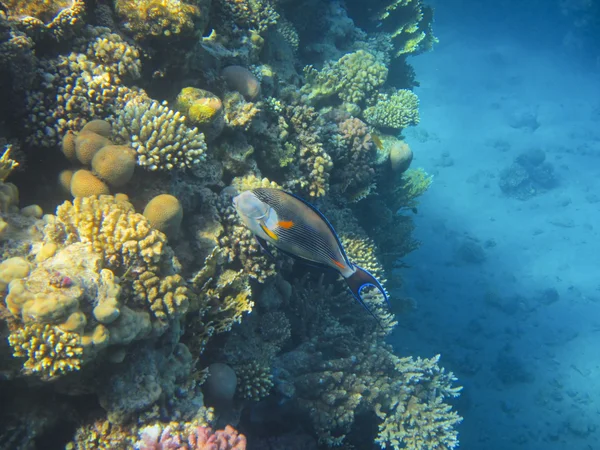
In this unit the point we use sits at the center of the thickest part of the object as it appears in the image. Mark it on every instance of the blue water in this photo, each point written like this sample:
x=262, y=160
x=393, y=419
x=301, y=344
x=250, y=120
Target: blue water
x=507, y=290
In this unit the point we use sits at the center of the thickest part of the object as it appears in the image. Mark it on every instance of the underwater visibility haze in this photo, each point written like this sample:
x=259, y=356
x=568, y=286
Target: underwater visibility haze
x=299, y=224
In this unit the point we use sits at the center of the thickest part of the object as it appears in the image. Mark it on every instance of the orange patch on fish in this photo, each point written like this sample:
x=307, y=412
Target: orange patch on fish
x=269, y=232
x=287, y=224
x=339, y=264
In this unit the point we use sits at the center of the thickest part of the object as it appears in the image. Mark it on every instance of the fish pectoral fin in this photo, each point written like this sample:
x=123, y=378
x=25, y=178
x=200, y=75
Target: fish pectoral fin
x=268, y=232
x=264, y=246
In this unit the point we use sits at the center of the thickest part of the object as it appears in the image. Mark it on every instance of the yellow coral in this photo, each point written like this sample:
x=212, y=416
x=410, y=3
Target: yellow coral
x=50, y=351
x=7, y=165
x=161, y=18
x=127, y=243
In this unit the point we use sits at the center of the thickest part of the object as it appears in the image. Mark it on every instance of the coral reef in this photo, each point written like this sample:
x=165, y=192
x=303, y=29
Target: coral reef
x=127, y=329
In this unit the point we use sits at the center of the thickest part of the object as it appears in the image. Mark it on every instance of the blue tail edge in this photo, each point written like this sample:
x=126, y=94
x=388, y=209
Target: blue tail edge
x=361, y=279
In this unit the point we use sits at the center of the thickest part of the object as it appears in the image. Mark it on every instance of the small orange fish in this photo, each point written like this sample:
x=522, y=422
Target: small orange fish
x=298, y=229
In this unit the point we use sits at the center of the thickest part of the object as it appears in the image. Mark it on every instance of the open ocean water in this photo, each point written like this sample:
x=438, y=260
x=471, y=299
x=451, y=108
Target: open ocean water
x=506, y=281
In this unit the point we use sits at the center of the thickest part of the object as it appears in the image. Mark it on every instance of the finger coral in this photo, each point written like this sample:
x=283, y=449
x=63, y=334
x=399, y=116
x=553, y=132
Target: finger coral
x=159, y=135
x=177, y=436
x=49, y=350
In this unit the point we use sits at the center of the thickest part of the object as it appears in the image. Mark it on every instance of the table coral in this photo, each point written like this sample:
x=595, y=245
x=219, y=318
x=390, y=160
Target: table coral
x=159, y=135
x=396, y=111
x=49, y=350
x=354, y=78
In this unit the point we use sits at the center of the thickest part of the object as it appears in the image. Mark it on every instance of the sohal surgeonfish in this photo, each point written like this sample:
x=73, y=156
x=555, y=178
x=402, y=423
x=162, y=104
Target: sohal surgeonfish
x=299, y=230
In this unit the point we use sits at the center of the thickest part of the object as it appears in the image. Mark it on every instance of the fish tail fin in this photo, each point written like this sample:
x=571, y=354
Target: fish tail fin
x=359, y=280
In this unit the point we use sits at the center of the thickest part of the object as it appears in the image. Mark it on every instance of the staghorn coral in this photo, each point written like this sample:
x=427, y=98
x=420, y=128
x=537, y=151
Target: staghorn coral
x=158, y=135
x=255, y=381
x=50, y=351
x=75, y=88
x=148, y=19
x=396, y=111
x=354, y=78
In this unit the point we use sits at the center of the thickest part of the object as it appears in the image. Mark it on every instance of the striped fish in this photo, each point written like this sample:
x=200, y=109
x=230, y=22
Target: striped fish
x=299, y=229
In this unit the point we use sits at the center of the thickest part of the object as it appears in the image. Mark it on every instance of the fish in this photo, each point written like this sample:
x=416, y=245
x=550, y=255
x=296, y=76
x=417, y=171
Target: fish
x=377, y=141
x=300, y=230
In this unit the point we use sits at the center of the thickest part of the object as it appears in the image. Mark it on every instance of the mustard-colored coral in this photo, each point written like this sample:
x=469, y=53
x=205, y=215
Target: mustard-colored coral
x=161, y=18
x=203, y=109
x=7, y=165
x=50, y=351
x=128, y=244
x=396, y=111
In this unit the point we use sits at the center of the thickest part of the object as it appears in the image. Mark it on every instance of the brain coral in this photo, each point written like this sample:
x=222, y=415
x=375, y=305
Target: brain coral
x=84, y=183
x=114, y=164
x=164, y=212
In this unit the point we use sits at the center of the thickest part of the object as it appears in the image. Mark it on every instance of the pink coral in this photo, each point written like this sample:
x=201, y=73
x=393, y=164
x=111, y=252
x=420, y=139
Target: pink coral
x=187, y=436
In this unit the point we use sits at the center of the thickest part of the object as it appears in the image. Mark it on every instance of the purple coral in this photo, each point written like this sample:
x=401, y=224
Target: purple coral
x=190, y=437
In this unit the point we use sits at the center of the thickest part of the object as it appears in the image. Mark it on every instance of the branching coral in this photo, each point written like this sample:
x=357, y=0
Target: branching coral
x=190, y=436
x=396, y=111
x=254, y=381
x=84, y=85
x=159, y=135
x=49, y=350
x=354, y=159
x=256, y=15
